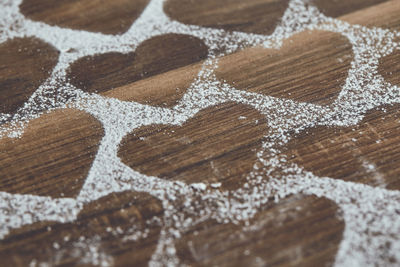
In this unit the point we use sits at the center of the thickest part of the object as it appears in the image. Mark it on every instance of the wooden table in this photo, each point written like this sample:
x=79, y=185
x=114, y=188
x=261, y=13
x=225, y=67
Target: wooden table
x=223, y=151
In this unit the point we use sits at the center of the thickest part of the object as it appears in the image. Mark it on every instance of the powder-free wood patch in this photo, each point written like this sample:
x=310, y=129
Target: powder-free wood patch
x=53, y=156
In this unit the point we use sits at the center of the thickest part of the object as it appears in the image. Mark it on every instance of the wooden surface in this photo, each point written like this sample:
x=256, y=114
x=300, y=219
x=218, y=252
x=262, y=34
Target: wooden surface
x=113, y=18
x=54, y=155
x=113, y=74
x=51, y=162
x=19, y=77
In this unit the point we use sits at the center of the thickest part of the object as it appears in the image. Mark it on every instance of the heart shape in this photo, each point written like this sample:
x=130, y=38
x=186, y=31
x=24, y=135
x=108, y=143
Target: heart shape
x=299, y=230
x=53, y=156
x=117, y=75
x=122, y=225
x=218, y=145
x=251, y=16
x=312, y=66
x=367, y=153
x=108, y=17
x=25, y=63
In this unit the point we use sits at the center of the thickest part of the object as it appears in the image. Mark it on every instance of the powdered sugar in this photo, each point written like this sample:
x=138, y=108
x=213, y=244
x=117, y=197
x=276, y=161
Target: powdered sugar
x=370, y=214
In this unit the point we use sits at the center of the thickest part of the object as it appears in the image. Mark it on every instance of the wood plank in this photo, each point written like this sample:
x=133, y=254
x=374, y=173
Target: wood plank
x=114, y=18
x=218, y=144
x=310, y=67
x=280, y=235
x=372, y=16
x=53, y=157
x=108, y=73
x=25, y=63
x=108, y=224
x=366, y=153
x=253, y=16
x=338, y=8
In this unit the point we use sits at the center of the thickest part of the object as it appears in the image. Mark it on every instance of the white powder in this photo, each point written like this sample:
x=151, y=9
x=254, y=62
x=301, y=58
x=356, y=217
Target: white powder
x=371, y=215
x=199, y=186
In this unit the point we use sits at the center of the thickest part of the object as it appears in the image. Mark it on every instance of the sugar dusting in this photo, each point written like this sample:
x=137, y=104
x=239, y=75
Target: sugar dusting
x=371, y=214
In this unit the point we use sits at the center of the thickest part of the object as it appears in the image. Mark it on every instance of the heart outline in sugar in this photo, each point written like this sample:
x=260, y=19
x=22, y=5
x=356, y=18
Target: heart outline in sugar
x=331, y=115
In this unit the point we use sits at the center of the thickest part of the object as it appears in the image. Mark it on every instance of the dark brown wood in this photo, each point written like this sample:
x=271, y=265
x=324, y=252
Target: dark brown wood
x=218, y=145
x=366, y=153
x=253, y=16
x=113, y=18
x=299, y=231
x=151, y=91
x=53, y=156
x=337, y=8
x=157, y=55
x=385, y=15
x=25, y=63
x=104, y=222
x=389, y=67
x=310, y=67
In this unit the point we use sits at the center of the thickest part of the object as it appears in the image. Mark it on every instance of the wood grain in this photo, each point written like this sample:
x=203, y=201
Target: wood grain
x=53, y=156
x=366, y=153
x=385, y=15
x=299, y=231
x=337, y=8
x=25, y=63
x=115, y=17
x=104, y=222
x=218, y=145
x=389, y=67
x=310, y=67
x=102, y=73
x=253, y=16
